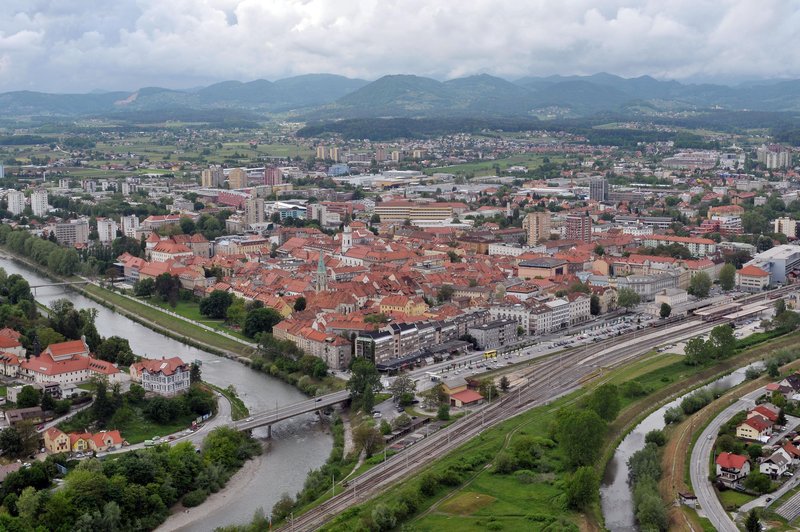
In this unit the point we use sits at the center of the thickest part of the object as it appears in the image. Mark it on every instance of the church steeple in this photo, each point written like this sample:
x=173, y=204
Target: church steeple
x=321, y=275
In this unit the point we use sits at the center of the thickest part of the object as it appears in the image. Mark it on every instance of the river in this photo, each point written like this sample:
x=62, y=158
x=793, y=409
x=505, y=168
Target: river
x=298, y=445
x=615, y=492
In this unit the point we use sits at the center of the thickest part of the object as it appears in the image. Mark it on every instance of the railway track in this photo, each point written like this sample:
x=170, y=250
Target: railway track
x=545, y=380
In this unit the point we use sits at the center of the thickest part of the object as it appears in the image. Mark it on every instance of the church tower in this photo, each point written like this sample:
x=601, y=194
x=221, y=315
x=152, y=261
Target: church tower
x=347, y=239
x=321, y=275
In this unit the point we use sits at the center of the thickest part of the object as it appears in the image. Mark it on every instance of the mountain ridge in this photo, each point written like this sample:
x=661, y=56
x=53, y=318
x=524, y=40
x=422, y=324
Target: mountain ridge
x=330, y=96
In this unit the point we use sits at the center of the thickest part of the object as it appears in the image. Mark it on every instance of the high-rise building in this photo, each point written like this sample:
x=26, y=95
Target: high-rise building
x=273, y=176
x=537, y=225
x=333, y=154
x=598, y=189
x=254, y=211
x=321, y=152
x=380, y=154
x=107, y=229
x=212, y=177
x=39, y=202
x=2, y=171
x=237, y=178
x=774, y=156
x=73, y=232
x=786, y=226
x=129, y=225
x=16, y=202
x=579, y=227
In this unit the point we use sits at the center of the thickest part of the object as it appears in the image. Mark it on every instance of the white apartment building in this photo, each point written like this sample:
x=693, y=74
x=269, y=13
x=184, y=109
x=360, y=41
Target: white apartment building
x=107, y=229
x=129, y=225
x=73, y=232
x=784, y=225
x=561, y=313
x=39, y=202
x=16, y=202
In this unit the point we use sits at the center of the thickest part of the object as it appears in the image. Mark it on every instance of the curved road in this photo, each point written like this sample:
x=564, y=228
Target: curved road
x=700, y=464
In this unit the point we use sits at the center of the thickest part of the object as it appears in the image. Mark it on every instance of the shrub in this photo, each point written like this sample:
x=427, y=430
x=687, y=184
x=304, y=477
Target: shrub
x=195, y=498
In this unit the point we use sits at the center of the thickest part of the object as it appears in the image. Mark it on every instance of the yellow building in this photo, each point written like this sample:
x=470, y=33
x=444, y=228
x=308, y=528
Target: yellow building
x=55, y=441
x=237, y=178
x=404, y=304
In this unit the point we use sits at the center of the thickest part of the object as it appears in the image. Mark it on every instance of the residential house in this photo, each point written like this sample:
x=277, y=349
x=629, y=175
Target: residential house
x=732, y=468
x=168, y=377
x=755, y=428
x=55, y=441
x=67, y=362
x=777, y=464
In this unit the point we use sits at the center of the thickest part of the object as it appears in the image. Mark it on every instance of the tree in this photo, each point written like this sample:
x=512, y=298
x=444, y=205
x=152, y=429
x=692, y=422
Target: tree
x=752, y=524
x=403, y=385
x=236, y=312
x=573, y=429
x=758, y=482
x=434, y=397
x=780, y=307
x=168, y=286
x=594, y=305
x=488, y=390
x=722, y=340
x=697, y=352
x=300, y=304
x=364, y=382
x=445, y=293
x=195, y=374
x=656, y=437
x=260, y=320
x=665, y=310
x=700, y=285
x=727, y=276
x=28, y=397
x=504, y=383
x=367, y=438
x=605, y=401
x=754, y=452
x=144, y=287
x=48, y=404
x=116, y=350
x=627, y=298
x=10, y=442
x=582, y=488
x=215, y=306
x=443, y=413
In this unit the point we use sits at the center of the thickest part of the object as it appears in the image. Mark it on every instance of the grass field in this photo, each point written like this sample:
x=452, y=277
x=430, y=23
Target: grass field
x=488, y=167
x=191, y=310
x=175, y=326
x=732, y=499
x=136, y=429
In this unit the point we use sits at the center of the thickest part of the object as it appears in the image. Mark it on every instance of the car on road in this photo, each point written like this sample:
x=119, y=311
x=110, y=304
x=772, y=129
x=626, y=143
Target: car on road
x=376, y=415
x=249, y=419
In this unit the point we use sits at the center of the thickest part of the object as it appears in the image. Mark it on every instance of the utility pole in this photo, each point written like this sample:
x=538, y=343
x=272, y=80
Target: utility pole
x=333, y=486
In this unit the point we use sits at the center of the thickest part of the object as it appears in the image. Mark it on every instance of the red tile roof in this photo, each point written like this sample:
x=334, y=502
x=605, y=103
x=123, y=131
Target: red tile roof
x=166, y=366
x=731, y=461
x=752, y=271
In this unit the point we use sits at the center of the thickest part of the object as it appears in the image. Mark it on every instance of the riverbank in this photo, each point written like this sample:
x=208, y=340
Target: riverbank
x=182, y=518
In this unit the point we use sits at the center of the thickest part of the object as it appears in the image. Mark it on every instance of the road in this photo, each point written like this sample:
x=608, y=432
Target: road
x=222, y=418
x=699, y=468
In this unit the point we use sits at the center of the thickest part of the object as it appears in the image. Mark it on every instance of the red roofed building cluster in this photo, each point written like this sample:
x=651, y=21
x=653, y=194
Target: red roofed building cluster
x=67, y=363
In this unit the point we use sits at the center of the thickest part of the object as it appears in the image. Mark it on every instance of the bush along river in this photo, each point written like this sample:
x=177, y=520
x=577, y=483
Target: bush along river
x=615, y=493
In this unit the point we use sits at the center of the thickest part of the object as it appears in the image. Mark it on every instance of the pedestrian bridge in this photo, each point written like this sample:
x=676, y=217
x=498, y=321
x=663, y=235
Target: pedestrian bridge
x=271, y=417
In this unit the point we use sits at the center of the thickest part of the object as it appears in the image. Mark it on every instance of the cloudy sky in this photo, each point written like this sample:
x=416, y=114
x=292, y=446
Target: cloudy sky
x=82, y=45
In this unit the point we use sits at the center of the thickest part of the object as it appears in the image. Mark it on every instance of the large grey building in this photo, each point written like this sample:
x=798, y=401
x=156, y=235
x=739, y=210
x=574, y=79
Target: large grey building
x=778, y=262
x=494, y=334
x=598, y=189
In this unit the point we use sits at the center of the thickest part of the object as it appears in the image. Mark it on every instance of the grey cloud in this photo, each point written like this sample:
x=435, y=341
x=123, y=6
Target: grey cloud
x=77, y=46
